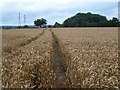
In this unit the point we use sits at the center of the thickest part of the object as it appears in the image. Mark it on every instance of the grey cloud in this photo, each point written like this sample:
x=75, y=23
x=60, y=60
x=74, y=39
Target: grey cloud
x=53, y=12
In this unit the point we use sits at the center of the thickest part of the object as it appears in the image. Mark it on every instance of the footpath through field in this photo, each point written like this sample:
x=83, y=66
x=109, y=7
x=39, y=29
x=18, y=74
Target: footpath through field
x=34, y=63
x=58, y=65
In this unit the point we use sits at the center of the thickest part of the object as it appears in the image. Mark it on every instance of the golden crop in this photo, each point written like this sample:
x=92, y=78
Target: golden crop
x=90, y=58
x=29, y=66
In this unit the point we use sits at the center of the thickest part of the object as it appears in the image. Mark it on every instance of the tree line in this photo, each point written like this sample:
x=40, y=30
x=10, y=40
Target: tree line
x=82, y=20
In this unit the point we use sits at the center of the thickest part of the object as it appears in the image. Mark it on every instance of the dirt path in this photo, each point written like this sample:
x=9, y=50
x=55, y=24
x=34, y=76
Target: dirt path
x=58, y=65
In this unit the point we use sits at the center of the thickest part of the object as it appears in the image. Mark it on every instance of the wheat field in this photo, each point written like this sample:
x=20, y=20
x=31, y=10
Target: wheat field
x=91, y=56
x=86, y=58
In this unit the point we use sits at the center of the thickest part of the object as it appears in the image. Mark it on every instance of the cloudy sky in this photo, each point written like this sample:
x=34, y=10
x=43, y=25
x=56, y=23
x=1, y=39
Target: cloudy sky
x=53, y=10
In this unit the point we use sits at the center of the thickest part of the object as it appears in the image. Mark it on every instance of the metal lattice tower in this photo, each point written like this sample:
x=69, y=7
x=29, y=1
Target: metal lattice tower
x=19, y=22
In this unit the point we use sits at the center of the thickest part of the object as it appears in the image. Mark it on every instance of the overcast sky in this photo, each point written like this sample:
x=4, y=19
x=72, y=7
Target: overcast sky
x=54, y=10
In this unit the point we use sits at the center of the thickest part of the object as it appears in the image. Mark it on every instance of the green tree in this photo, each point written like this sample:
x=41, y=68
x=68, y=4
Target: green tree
x=40, y=22
x=50, y=26
x=57, y=25
x=85, y=20
x=114, y=22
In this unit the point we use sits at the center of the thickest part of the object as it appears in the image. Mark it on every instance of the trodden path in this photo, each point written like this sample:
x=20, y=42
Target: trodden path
x=58, y=66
